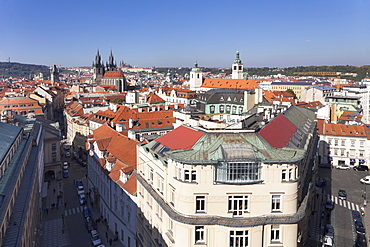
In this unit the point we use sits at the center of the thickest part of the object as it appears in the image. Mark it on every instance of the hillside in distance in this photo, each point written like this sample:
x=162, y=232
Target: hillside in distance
x=17, y=70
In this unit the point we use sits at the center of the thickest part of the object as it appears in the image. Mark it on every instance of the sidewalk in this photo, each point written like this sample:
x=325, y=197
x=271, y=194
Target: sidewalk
x=106, y=234
x=53, y=232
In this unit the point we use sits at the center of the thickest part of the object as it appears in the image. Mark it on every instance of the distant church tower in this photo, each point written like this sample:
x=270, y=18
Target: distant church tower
x=196, y=78
x=54, y=74
x=98, y=68
x=111, y=65
x=237, y=68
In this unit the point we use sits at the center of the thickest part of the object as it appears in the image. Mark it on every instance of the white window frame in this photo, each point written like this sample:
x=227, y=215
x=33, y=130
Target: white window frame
x=276, y=203
x=200, y=234
x=200, y=204
x=275, y=233
x=239, y=238
x=238, y=204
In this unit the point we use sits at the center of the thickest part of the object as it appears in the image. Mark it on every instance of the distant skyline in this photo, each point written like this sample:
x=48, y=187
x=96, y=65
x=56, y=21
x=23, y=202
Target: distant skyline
x=267, y=33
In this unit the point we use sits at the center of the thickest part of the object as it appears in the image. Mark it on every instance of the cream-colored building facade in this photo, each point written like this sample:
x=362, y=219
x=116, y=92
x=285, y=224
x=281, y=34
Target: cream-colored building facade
x=222, y=188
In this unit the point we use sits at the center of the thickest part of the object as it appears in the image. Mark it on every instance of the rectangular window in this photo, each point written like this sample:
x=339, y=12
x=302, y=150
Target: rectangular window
x=336, y=142
x=222, y=108
x=276, y=203
x=238, y=238
x=362, y=143
x=228, y=108
x=190, y=176
x=200, y=204
x=53, y=147
x=238, y=172
x=342, y=152
x=291, y=174
x=343, y=142
x=199, y=234
x=160, y=184
x=353, y=142
x=275, y=233
x=151, y=175
x=283, y=174
x=172, y=196
x=238, y=205
x=212, y=109
x=122, y=235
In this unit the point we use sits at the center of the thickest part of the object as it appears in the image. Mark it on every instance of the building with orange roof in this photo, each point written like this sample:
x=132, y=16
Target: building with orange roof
x=343, y=143
x=140, y=123
x=115, y=78
x=296, y=87
x=217, y=187
x=111, y=180
x=198, y=83
x=23, y=106
x=177, y=95
x=228, y=101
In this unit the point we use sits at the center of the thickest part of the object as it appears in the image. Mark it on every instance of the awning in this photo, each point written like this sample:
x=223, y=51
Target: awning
x=352, y=160
x=362, y=161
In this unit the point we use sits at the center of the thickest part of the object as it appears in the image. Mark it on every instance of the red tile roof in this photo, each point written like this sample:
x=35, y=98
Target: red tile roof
x=187, y=136
x=278, y=132
x=341, y=129
x=113, y=74
x=230, y=83
x=152, y=98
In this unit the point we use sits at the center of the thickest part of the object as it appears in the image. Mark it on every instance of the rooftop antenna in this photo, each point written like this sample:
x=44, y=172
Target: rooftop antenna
x=8, y=59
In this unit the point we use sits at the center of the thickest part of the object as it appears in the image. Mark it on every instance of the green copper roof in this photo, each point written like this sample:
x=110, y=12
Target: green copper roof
x=237, y=59
x=214, y=147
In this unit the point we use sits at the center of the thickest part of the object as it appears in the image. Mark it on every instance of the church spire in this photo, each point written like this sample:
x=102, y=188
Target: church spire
x=237, y=59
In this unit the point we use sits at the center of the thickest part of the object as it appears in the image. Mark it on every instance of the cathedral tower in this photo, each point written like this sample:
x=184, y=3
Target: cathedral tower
x=98, y=68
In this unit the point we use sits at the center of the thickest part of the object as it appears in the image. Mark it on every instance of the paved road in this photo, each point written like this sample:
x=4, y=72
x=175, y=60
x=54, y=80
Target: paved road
x=64, y=224
x=341, y=216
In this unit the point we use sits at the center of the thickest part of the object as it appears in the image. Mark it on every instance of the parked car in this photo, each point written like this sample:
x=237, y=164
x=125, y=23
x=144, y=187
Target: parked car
x=65, y=165
x=329, y=204
x=329, y=231
x=90, y=224
x=360, y=229
x=360, y=241
x=65, y=174
x=356, y=215
x=79, y=183
x=365, y=180
x=86, y=212
x=327, y=242
x=81, y=192
x=95, y=239
x=361, y=168
x=82, y=199
x=343, y=167
x=342, y=194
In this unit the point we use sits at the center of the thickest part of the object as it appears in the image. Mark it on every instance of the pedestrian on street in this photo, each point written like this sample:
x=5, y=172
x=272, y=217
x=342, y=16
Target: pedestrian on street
x=106, y=235
x=65, y=204
x=110, y=242
x=54, y=190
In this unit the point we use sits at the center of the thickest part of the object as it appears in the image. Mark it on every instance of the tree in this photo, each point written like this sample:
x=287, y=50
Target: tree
x=117, y=100
x=291, y=92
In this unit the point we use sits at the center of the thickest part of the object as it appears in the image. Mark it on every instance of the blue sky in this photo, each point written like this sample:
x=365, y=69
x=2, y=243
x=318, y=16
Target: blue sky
x=175, y=33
